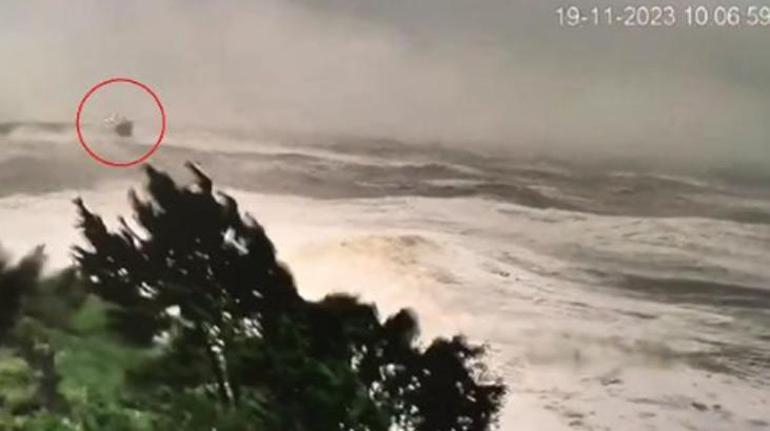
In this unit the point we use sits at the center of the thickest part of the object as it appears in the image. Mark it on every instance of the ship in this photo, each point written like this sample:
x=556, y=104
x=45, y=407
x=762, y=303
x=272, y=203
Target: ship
x=122, y=126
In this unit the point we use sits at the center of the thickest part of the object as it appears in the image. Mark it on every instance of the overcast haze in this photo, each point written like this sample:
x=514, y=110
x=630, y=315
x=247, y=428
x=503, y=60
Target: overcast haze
x=495, y=73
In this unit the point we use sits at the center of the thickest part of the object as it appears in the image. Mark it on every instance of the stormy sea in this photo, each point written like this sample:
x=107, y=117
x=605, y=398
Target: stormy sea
x=613, y=297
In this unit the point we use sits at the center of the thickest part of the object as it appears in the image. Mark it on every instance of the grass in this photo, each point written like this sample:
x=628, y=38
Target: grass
x=91, y=362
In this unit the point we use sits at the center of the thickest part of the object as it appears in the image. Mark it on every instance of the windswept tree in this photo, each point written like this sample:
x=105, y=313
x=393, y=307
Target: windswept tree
x=201, y=281
x=197, y=270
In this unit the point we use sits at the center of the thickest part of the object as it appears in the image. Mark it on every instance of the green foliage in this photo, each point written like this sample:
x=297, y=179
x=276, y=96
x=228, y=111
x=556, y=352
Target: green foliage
x=17, y=383
x=94, y=365
x=28, y=306
x=95, y=416
x=16, y=283
x=195, y=411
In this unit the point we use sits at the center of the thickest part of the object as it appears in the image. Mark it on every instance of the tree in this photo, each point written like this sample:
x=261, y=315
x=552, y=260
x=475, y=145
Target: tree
x=29, y=305
x=14, y=282
x=202, y=272
x=202, y=282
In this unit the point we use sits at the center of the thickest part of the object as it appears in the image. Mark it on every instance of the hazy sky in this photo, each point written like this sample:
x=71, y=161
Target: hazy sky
x=487, y=72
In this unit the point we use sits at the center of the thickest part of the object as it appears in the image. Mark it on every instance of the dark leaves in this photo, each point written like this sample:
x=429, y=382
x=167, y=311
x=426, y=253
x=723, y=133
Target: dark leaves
x=204, y=277
x=14, y=283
